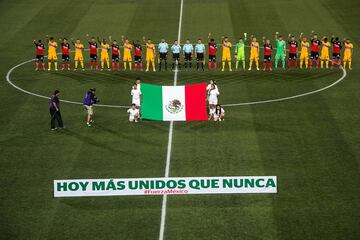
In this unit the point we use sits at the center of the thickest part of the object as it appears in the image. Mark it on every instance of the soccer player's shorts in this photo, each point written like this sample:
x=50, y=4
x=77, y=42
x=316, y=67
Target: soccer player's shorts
x=127, y=58
x=212, y=58
x=304, y=56
x=226, y=57
x=254, y=57
x=267, y=58
x=163, y=56
x=240, y=57
x=292, y=56
x=314, y=55
x=347, y=58
x=136, y=102
x=138, y=59
x=187, y=56
x=279, y=56
x=213, y=100
x=325, y=56
x=52, y=56
x=89, y=109
x=199, y=57
x=39, y=58
x=105, y=57
x=336, y=55
x=93, y=57
x=65, y=57
x=176, y=56
x=115, y=58
x=78, y=57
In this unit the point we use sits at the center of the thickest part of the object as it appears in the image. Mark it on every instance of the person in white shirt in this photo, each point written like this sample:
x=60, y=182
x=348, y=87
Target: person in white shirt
x=219, y=114
x=138, y=82
x=134, y=113
x=136, y=93
x=213, y=94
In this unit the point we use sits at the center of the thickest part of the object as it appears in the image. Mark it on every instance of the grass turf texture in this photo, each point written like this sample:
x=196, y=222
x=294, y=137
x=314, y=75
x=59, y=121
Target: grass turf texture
x=310, y=143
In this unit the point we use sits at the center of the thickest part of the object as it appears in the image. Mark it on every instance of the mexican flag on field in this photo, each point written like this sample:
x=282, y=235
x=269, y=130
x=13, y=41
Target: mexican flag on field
x=174, y=103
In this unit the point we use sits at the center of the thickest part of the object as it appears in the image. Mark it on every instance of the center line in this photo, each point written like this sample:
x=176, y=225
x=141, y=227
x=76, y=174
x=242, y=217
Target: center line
x=168, y=154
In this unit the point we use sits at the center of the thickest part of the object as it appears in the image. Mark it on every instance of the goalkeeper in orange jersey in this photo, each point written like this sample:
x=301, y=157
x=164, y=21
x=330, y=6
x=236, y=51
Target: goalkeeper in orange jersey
x=79, y=47
x=304, y=54
x=348, y=52
x=52, y=57
x=324, y=56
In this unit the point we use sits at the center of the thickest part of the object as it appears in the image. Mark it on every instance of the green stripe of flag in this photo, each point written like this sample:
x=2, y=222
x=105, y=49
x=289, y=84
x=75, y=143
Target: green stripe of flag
x=151, y=107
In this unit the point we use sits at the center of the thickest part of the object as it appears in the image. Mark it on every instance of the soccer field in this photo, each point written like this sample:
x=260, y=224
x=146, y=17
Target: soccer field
x=299, y=125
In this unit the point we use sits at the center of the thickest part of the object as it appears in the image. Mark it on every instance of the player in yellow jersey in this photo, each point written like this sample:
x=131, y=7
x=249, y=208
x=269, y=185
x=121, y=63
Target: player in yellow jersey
x=348, y=52
x=304, y=54
x=79, y=47
x=104, y=54
x=127, y=52
x=325, y=57
x=150, y=54
x=254, y=53
x=226, y=55
x=52, y=57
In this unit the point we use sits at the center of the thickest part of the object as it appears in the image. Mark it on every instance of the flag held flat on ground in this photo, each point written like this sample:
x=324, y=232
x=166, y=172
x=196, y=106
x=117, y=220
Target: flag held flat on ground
x=174, y=103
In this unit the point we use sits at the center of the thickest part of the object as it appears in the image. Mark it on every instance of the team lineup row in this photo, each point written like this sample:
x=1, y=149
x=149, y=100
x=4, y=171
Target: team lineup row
x=316, y=50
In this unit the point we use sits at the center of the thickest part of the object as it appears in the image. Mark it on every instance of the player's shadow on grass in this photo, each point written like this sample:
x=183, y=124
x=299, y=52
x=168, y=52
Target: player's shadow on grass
x=91, y=141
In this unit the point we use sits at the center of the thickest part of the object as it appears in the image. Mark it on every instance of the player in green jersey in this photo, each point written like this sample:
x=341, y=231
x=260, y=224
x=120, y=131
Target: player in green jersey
x=280, y=50
x=240, y=51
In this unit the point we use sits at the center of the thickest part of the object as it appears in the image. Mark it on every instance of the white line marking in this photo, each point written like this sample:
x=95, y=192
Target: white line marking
x=168, y=154
x=291, y=97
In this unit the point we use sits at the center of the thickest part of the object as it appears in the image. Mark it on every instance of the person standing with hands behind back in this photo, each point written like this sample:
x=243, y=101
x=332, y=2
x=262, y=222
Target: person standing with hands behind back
x=55, y=111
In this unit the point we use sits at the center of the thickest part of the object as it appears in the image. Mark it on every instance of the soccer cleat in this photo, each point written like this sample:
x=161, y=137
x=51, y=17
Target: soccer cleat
x=88, y=124
x=146, y=70
x=258, y=69
x=62, y=69
x=36, y=69
x=230, y=70
x=56, y=69
x=75, y=69
x=49, y=69
x=101, y=69
x=249, y=69
x=270, y=69
x=109, y=69
x=83, y=69
x=222, y=70
x=53, y=129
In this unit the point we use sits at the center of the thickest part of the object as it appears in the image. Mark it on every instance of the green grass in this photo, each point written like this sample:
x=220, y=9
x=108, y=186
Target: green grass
x=311, y=144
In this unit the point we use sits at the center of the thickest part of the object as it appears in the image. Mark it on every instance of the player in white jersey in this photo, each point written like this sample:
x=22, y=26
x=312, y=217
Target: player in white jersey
x=219, y=114
x=213, y=94
x=138, y=83
x=134, y=113
x=135, y=94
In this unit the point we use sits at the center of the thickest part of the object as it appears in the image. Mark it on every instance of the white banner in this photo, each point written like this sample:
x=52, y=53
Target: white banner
x=160, y=186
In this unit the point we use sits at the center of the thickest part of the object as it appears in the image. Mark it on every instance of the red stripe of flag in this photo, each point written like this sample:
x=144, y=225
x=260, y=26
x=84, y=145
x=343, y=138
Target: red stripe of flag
x=195, y=102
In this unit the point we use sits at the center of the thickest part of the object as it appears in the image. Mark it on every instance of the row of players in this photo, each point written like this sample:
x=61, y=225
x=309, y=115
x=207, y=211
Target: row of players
x=216, y=112
x=309, y=52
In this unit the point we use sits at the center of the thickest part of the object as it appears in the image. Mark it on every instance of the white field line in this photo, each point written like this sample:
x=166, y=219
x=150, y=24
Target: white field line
x=169, y=146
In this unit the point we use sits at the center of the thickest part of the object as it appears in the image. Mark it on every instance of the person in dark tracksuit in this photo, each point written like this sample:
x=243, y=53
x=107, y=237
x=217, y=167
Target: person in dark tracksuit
x=55, y=111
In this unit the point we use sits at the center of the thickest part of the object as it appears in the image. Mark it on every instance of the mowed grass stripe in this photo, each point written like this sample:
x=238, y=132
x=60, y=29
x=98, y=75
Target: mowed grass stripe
x=204, y=149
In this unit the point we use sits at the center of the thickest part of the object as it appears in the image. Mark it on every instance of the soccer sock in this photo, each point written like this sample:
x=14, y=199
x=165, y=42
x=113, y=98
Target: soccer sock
x=322, y=64
x=36, y=65
x=283, y=63
x=339, y=62
x=344, y=64
x=237, y=64
x=202, y=65
x=91, y=65
x=332, y=62
x=118, y=65
x=197, y=65
x=243, y=62
x=301, y=63
x=62, y=65
x=215, y=65
x=295, y=64
x=76, y=64
x=311, y=63
x=190, y=64
x=55, y=64
x=82, y=64
x=113, y=66
x=102, y=63
x=250, y=64
x=223, y=65
x=108, y=64
x=43, y=65
x=124, y=65
x=165, y=65
x=288, y=64
x=264, y=65
x=327, y=64
x=68, y=65
x=229, y=64
x=96, y=64
x=276, y=63
x=257, y=63
x=306, y=63
x=130, y=65
x=317, y=63
x=209, y=66
x=270, y=63
x=147, y=65
x=153, y=65
x=349, y=64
